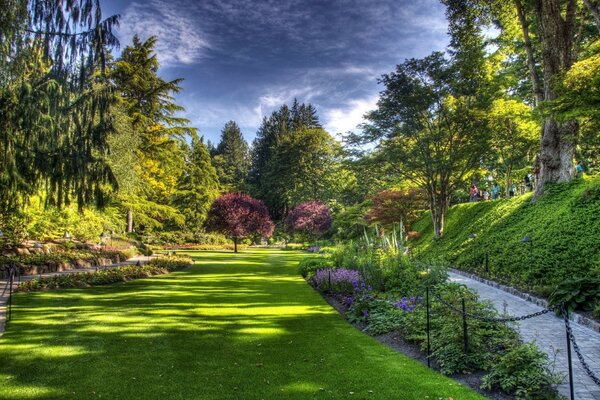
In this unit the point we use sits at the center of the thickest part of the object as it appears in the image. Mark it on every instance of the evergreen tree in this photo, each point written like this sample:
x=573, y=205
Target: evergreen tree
x=54, y=103
x=280, y=125
x=232, y=158
x=149, y=104
x=198, y=187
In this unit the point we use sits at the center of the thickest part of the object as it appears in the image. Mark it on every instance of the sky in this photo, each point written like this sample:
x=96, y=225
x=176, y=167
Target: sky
x=243, y=59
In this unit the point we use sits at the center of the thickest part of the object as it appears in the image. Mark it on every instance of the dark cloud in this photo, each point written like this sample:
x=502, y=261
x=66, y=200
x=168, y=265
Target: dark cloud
x=243, y=58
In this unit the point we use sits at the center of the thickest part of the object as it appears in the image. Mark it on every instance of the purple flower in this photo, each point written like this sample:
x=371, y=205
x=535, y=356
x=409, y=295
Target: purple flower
x=339, y=280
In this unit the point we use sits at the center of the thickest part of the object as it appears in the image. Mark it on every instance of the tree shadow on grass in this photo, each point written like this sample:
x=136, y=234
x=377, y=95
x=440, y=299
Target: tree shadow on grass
x=206, y=333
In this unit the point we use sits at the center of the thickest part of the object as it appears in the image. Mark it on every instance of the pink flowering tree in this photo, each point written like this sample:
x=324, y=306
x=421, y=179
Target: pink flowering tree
x=311, y=218
x=237, y=216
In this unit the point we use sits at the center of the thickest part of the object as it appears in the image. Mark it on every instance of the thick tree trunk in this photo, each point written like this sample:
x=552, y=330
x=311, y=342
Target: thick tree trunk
x=558, y=139
x=557, y=152
x=129, y=220
x=235, y=245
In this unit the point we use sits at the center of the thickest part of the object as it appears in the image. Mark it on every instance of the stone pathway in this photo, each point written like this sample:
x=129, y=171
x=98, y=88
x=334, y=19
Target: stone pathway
x=548, y=331
x=4, y=296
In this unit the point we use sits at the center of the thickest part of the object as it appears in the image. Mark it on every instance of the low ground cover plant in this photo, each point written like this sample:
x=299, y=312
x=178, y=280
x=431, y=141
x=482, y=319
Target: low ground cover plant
x=383, y=291
x=157, y=266
x=562, y=227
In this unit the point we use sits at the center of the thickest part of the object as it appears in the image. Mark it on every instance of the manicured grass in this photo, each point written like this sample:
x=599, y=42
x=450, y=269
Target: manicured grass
x=242, y=326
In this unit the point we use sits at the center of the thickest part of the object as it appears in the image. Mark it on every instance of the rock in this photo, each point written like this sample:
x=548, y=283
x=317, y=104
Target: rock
x=23, y=251
x=9, y=253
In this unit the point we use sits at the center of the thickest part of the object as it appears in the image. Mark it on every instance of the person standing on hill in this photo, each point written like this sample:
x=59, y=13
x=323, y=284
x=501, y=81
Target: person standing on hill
x=474, y=193
x=579, y=168
x=495, y=191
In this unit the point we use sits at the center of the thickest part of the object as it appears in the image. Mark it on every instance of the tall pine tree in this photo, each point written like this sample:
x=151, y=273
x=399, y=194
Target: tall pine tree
x=232, y=158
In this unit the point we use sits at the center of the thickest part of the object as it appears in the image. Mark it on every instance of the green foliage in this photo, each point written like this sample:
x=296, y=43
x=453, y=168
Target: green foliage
x=54, y=102
x=562, y=224
x=232, y=158
x=431, y=126
x=525, y=372
x=577, y=294
x=72, y=257
x=308, y=266
x=351, y=222
x=198, y=186
x=106, y=276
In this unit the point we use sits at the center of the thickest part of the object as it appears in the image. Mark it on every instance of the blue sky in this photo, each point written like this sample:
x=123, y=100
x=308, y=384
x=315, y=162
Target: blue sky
x=241, y=59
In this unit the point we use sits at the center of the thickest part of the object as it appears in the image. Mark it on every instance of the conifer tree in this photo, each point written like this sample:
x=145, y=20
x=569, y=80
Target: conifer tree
x=232, y=158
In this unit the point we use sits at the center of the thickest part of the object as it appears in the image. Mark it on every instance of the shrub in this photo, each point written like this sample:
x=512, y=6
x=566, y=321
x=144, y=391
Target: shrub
x=577, y=294
x=525, y=372
x=309, y=266
x=105, y=276
x=171, y=263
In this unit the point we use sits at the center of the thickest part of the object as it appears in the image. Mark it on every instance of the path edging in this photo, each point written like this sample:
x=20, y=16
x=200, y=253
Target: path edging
x=575, y=317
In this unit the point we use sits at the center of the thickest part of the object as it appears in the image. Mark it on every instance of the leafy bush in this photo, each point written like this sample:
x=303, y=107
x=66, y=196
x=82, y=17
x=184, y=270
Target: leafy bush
x=577, y=294
x=105, y=276
x=524, y=371
x=198, y=246
x=171, y=263
x=72, y=257
x=309, y=266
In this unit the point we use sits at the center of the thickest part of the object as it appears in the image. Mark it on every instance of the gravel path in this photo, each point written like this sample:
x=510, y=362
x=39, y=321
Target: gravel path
x=548, y=331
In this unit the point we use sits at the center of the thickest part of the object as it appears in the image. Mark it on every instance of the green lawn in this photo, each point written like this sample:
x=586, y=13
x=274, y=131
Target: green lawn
x=242, y=326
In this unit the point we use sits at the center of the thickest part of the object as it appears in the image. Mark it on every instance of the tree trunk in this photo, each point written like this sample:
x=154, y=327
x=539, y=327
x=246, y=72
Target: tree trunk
x=235, y=245
x=536, y=85
x=558, y=139
x=129, y=220
x=557, y=152
x=438, y=214
x=595, y=10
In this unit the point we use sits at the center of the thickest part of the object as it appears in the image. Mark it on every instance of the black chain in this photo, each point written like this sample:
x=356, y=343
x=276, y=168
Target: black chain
x=584, y=364
x=490, y=319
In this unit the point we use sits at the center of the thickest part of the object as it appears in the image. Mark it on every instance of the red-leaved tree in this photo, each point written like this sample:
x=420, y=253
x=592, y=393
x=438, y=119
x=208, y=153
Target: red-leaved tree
x=311, y=218
x=392, y=206
x=237, y=215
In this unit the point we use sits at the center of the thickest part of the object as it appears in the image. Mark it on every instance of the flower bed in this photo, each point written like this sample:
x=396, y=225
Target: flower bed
x=157, y=266
x=383, y=293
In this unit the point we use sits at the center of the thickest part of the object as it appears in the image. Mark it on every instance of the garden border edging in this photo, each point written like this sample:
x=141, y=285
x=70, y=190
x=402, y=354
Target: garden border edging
x=575, y=317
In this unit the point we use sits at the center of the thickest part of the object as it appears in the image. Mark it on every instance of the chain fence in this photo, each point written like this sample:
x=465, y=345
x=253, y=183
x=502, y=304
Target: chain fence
x=571, y=341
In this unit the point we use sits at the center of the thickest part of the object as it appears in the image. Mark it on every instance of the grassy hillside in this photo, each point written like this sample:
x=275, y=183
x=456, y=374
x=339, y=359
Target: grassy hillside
x=564, y=226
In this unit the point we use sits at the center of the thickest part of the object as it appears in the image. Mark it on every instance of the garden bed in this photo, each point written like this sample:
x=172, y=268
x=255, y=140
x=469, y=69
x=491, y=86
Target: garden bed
x=396, y=341
x=158, y=266
x=382, y=292
x=35, y=264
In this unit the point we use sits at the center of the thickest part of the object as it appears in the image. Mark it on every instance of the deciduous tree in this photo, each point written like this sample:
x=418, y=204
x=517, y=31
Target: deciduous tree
x=237, y=215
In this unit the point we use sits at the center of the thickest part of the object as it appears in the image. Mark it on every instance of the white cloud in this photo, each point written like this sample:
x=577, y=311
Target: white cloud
x=348, y=117
x=179, y=39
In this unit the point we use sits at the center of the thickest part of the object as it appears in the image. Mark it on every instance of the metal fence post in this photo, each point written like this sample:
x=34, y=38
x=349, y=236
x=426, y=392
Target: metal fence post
x=11, y=276
x=569, y=358
x=465, y=331
x=428, y=329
